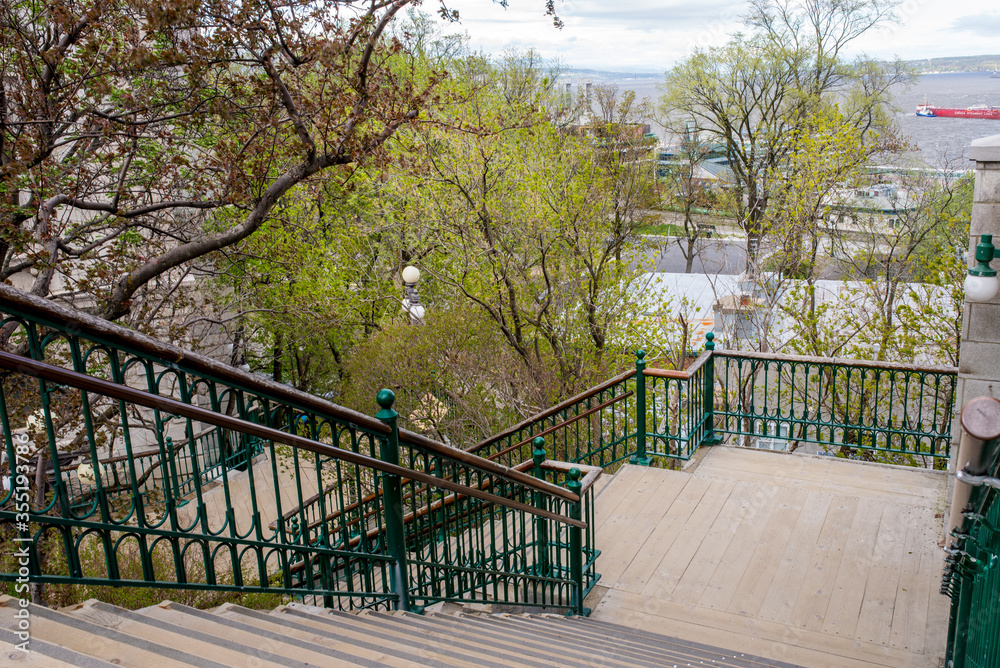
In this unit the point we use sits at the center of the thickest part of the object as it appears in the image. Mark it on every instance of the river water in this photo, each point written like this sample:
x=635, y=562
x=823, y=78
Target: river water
x=941, y=141
x=944, y=140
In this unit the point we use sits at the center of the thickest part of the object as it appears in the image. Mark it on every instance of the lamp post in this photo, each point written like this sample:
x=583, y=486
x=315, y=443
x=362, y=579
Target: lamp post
x=411, y=300
x=982, y=284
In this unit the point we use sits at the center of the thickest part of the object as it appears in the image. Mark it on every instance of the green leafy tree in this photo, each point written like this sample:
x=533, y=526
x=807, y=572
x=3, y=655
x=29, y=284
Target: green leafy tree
x=625, y=155
x=687, y=189
x=753, y=94
x=135, y=141
x=525, y=222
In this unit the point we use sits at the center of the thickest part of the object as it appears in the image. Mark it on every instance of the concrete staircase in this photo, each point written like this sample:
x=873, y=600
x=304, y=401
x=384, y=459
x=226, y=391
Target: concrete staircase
x=166, y=635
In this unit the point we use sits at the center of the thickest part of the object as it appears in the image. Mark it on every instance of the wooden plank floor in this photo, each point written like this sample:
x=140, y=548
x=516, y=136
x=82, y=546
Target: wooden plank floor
x=812, y=560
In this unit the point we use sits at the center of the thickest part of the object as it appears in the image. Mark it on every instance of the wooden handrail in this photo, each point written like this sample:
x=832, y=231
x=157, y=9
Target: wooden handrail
x=680, y=374
x=586, y=394
x=667, y=373
x=591, y=474
x=54, y=316
x=842, y=361
x=562, y=424
x=56, y=374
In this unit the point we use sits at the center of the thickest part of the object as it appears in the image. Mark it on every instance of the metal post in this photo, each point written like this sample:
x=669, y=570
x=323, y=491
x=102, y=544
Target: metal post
x=708, y=393
x=392, y=507
x=411, y=302
x=952, y=621
x=538, y=456
x=640, y=457
x=962, y=621
x=576, y=543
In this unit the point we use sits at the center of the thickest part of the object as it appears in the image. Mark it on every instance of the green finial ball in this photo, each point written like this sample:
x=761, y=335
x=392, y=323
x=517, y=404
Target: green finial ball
x=539, y=443
x=710, y=336
x=640, y=353
x=574, y=474
x=385, y=399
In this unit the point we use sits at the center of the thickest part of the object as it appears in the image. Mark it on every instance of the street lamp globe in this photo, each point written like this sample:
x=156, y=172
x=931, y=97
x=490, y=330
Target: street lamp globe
x=411, y=274
x=981, y=288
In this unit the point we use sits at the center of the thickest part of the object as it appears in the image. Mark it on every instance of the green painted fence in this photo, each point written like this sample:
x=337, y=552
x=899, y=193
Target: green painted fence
x=198, y=476
x=146, y=465
x=900, y=413
x=972, y=567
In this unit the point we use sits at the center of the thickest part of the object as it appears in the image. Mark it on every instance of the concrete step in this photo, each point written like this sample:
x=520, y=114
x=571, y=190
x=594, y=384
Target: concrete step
x=97, y=635
x=94, y=641
x=544, y=645
x=202, y=643
x=403, y=650
x=39, y=653
x=467, y=651
x=265, y=639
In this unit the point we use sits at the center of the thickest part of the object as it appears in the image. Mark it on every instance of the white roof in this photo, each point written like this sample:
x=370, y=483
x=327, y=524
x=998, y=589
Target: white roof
x=695, y=296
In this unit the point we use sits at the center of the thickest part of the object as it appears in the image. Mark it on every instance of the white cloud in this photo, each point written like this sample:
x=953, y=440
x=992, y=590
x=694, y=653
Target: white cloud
x=651, y=36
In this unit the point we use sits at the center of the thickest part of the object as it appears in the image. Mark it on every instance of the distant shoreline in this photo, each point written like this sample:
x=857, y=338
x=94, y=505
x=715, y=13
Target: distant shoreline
x=947, y=65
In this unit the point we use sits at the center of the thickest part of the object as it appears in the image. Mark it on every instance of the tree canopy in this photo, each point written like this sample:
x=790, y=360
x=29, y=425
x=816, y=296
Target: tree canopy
x=135, y=139
x=755, y=94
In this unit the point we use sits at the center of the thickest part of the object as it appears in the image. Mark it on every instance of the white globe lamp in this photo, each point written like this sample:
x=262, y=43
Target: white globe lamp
x=981, y=288
x=85, y=472
x=411, y=301
x=411, y=274
x=982, y=284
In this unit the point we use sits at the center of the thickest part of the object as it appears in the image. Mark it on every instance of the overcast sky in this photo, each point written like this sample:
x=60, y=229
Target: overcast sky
x=650, y=36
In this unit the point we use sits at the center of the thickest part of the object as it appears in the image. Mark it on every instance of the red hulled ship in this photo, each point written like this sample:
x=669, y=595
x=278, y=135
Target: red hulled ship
x=978, y=111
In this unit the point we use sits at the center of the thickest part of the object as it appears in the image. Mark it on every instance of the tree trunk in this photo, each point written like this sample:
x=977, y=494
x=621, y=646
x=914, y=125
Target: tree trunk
x=276, y=356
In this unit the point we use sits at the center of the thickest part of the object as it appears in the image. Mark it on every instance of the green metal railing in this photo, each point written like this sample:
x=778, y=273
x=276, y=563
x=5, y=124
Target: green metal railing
x=678, y=407
x=404, y=520
x=211, y=457
x=204, y=477
x=972, y=568
x=901, y=411
x=597, y=427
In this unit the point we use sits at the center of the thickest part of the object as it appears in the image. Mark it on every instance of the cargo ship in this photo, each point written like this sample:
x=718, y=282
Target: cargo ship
x=978, y=111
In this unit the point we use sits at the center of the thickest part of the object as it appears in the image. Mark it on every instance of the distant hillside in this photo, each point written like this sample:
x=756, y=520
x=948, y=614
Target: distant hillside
x=986, y=63
x=957, y=64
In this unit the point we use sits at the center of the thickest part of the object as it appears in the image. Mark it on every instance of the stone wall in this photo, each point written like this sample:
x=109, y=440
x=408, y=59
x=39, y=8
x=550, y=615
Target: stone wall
x=979, y=355
x=979, y=360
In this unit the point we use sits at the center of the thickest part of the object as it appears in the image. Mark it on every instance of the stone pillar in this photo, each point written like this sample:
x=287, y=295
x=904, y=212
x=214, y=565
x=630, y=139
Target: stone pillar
x=979, y=358
x=979, y=355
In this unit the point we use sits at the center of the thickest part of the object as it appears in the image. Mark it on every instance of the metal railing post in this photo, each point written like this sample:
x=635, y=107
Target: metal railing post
x=640, y=457
x=958, y=642
x=708, y=393
x=538, y=456
x=576, y=543
x=392, y=507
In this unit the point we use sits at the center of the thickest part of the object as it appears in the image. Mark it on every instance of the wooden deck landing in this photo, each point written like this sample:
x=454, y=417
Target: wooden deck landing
x=811, y=560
